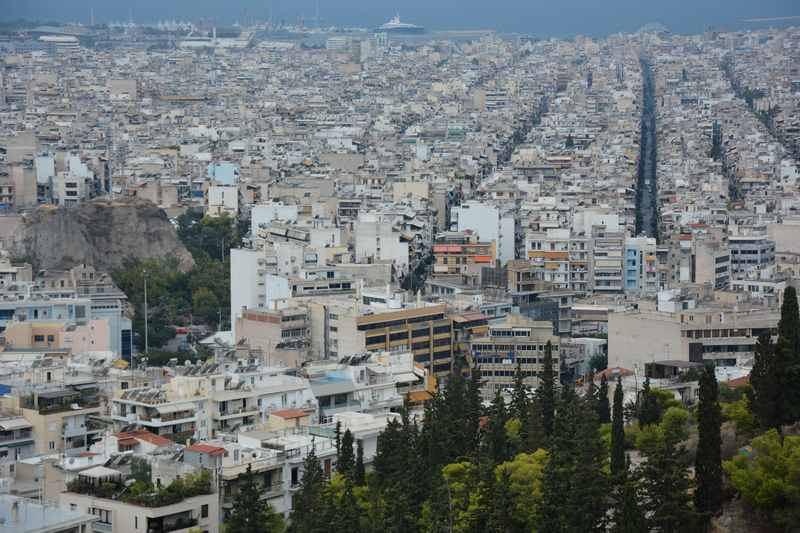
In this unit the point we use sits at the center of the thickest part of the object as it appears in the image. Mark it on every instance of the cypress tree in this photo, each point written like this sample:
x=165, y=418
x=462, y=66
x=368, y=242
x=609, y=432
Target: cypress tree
x=603, y=407
x=628, y=515
x=666, y=484
x=251, y=514
x=519, y=396
x=765, y=400
x=708, y=460
x=360, y=473
x=496, y=441
x=342, y=511
x=618, y=433
x=591, y=390
x=535, y=435
x=574, y=489
x=503, y=507
x=649, y=410
x=346, y=462
x=472, y=417
x=788, y=358
x=338, y=437
x=546, y=392
x=309, y=502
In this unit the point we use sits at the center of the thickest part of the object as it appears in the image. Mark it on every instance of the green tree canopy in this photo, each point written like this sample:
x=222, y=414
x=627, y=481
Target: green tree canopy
x=768, y=478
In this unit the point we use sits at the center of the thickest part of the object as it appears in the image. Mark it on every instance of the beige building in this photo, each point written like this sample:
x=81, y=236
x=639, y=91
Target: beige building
x=712, y=333
x=281, y=335
x=90, y=337
x=62, y=420
x=342, y=327
x=516, y=340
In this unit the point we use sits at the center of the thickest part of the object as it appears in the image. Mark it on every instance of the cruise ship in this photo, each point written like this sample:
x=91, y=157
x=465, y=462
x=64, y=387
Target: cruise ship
x=395, y=26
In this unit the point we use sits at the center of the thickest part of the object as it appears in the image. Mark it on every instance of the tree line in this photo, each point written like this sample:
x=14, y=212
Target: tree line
x=175, y=298
x=560, y=459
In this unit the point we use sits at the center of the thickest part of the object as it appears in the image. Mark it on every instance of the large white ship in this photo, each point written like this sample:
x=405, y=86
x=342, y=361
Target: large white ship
x=395, y=26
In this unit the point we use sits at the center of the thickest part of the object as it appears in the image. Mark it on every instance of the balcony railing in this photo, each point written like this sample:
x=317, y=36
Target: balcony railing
x=19, y=436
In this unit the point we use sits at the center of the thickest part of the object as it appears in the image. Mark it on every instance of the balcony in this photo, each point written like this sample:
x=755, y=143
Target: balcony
x=239, y=412
x=103, y=527
x=168, y=524
x=19, y=436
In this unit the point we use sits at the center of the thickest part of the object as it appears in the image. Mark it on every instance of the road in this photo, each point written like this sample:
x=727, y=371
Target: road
x=646, y=186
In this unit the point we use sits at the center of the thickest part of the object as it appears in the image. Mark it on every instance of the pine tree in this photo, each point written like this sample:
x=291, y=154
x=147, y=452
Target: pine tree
x=310, y=499
x=603, y=407
x=618, y=433
x=708, y=460
x=546, y=392
x=766, y=394
x=251, y=514
x=346, y=461
x=360, y=475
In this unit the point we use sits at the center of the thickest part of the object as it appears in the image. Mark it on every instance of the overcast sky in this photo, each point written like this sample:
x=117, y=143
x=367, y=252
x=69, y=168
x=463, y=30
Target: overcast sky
x=537, y=17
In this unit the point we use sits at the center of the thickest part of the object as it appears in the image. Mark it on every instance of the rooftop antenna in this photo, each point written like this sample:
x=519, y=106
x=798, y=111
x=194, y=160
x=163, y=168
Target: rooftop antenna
x=91, y=16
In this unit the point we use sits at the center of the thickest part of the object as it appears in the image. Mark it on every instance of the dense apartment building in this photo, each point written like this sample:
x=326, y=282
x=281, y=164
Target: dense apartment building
x=341, y=327
x=516, y=341
x=461, y=253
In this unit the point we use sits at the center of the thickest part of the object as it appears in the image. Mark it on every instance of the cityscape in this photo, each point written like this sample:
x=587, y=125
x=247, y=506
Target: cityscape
x=285, y=274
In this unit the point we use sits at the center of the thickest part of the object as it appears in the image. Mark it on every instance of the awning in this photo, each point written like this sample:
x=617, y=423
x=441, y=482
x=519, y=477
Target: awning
x=100, y=472
x=174, y=408
x=14, y=423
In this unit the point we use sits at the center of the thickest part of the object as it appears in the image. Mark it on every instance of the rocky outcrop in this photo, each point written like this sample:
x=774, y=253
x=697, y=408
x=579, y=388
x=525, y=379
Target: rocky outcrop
x=102, y=233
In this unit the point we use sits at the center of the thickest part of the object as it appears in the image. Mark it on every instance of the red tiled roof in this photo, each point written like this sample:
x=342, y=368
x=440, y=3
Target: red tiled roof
x=613, y=373
x=738, y=382
x=144, y=435
x=205, y=448
x=290, y=413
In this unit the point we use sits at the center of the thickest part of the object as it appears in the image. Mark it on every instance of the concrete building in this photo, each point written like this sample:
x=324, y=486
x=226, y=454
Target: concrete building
x=491, y=224
x=122, y=516
x=750, y=252
x=641, y=272
x=721, y=334
x=28, y=516
x=517, y=340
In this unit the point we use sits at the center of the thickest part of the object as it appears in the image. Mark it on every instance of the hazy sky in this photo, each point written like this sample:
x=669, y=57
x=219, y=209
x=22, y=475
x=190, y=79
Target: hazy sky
x=537, y=17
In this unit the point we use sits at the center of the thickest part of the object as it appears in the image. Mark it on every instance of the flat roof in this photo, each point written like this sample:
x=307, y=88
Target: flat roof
x=33, y=517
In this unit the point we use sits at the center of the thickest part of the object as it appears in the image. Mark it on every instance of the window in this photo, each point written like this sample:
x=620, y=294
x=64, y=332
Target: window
x=38, y=338
x=204, y=511
x=52, y=445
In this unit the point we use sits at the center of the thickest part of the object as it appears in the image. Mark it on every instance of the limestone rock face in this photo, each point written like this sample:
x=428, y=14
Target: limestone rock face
x=102, y=233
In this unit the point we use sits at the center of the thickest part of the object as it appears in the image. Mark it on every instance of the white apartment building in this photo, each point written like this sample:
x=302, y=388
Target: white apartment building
x=491, y=223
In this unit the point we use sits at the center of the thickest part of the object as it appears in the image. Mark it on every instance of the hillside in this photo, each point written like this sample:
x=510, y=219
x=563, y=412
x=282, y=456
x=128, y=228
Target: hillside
x=102, y=233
